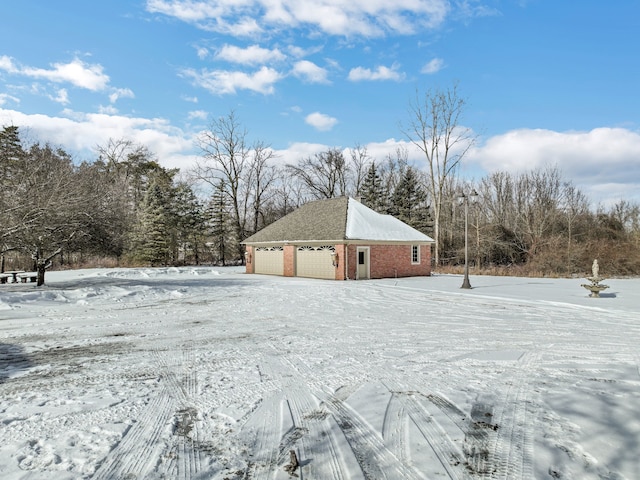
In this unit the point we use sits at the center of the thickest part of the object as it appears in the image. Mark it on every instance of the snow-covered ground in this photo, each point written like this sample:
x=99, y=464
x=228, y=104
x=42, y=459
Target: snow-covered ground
x=209, y=373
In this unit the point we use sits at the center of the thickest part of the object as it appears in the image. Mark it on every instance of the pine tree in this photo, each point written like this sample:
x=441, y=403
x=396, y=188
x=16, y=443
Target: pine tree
x=219, y=221
x=189, y=221
x=373, y=193
x=152, y=242
x=408, y=201
x=10, y=152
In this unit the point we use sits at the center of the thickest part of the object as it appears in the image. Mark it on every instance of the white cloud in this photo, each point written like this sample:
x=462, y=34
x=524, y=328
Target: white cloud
x=359, y=74
x=108, y=109
x=80, y=133
x=202, y=52
x=320, y=121
x=76, y=72
x=6, y=64
x=310, y=72
x=61, y=97
x=600, y=157
x=433, y=66
x=335, y=17
x=198, y=114
x=294, y=152
x=299, y=52
x=119, y=93
x=188, y=10
x=6, y=98
x=252, y=55
x=221, y=82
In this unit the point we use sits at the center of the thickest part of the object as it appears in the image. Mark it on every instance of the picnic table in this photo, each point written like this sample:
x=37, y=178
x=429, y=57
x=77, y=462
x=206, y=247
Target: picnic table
x=13, y=274
x=28, y=276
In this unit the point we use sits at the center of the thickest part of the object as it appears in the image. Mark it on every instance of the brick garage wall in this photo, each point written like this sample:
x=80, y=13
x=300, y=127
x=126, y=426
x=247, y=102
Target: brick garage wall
x=289, y=255
x=389, y=261
x=249, y=267
x=341, y=250
x=352, y=263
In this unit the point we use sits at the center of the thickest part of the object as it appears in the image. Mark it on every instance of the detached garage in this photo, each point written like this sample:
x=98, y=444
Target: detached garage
x=339, y=239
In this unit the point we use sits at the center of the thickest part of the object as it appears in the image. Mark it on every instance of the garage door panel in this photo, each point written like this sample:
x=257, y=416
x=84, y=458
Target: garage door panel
x=315, y=262
x=269, y=260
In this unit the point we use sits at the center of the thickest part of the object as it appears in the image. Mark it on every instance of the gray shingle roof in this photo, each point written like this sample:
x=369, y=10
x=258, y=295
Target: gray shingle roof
x=318, y=220
x=337, y=219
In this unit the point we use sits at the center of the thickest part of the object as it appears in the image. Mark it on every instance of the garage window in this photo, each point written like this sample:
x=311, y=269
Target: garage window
x=415, y=254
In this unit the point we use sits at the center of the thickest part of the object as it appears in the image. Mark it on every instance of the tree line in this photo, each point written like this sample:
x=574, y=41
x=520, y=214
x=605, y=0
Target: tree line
x=124, y=208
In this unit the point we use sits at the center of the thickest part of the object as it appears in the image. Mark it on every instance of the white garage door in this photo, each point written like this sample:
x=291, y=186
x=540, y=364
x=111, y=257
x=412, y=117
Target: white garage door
x=315, y=262
x=269, y=260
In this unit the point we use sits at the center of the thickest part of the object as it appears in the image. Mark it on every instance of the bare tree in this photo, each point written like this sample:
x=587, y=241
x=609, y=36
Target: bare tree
x=325, y=175
x=260, y=182
x=538, y=196
x=360, y=162
x=52, y=209
x=244, y=169
x=574, y=206
x=626, y=214
x=434, y=128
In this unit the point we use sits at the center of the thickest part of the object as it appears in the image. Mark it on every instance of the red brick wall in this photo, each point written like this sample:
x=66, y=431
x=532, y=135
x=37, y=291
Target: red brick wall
x=289, y=255
x=390, y=261
x=250, y=265
x=341, y=270
x=395, y=261
x=352, y=262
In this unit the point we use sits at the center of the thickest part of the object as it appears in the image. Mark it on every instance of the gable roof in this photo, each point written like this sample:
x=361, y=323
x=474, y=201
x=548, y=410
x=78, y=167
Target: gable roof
x=337, y=219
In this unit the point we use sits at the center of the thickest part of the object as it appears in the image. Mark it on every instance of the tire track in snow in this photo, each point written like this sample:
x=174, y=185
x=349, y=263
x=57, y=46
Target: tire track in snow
x=317, y=441
x=406, y=406
x=376, y=461
x=265, y=426
x=309, y=432
x=138, y=451
x=402, y=408
x=185, y=457
x=477, y=430
x=394, y=429
x=511, y=453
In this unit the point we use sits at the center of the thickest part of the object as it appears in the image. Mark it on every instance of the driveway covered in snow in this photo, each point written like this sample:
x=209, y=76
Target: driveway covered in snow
x=208, y=373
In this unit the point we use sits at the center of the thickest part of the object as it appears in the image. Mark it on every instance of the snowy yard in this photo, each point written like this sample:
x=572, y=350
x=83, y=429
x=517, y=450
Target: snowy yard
x=209, y=373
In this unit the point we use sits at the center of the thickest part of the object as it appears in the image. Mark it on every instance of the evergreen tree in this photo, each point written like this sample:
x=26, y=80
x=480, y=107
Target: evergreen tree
x=189, y=221
x=153, y=236
x=10, y=153
x=408, y=201
x=373, y=192
x=219, y=221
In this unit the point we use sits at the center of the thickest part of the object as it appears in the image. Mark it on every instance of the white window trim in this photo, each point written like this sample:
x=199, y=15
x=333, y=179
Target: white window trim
x=415, y=262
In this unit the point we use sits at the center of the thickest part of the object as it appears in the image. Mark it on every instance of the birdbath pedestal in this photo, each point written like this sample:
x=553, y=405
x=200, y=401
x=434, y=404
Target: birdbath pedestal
x=595, y=287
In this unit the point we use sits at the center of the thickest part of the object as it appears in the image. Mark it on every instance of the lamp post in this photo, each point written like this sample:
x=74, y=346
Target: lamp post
x=464, y=200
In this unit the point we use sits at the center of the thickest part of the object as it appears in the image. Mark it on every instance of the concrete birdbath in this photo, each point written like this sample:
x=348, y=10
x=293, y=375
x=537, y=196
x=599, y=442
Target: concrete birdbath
x=595, y=287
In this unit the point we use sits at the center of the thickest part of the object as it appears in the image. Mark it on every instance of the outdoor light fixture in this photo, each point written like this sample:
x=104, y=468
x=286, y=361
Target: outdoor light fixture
x=334, y=259
x=247, y=256
x=464, y=200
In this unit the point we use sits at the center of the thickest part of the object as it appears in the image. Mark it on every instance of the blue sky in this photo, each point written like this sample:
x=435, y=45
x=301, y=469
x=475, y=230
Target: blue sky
x=547, y=82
